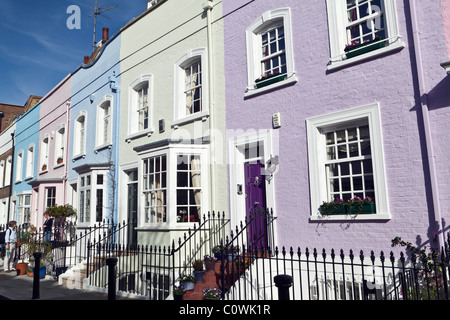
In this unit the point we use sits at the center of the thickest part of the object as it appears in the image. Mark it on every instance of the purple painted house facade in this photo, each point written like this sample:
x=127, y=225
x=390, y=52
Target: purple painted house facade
x=336, y=99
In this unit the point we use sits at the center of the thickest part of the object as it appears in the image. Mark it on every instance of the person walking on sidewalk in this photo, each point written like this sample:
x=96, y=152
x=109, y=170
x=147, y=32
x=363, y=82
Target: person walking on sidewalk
x=47, y=227
x=10, y=241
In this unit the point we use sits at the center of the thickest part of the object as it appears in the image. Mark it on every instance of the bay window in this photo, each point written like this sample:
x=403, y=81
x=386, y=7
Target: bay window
x=173, y=186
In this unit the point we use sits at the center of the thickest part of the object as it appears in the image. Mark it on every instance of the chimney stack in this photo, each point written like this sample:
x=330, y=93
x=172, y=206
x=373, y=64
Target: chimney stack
x=86, y=59
x=105, y=34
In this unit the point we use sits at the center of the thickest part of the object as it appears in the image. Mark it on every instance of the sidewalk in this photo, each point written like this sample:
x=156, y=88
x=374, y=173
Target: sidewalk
x=14, y=287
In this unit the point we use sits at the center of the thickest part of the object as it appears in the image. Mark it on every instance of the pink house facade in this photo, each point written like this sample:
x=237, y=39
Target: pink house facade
x=49, y=187
x=337, y=99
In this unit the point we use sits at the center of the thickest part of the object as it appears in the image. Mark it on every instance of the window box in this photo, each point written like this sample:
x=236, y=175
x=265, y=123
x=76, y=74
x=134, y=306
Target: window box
x=353, y=207
x=355, y=49
x=269, y=79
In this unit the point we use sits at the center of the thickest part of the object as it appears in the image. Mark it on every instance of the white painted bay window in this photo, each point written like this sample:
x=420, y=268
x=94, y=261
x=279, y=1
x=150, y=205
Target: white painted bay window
x=84, y=205
x=155, y=189
x=186, y=187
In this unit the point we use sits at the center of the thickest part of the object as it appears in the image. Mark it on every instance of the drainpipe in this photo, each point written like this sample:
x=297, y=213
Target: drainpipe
x=439, y=237
x=115, y=148
x=66, y=151
x=208, y=6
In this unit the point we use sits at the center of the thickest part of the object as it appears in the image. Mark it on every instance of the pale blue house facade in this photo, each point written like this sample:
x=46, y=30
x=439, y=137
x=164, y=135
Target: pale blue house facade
x=92, y=183
x=24, y=168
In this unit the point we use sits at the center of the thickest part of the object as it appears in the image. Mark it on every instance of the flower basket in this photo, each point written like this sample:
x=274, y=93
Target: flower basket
x=268, y=79
x=355, y=48
x=353, y=207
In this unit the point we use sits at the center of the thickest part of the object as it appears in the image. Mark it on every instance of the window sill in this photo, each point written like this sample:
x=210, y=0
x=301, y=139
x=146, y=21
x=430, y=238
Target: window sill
x=139, y=134
x=78, y=156
x=167, y=227
x=56, y=166
x=104, y=146
x=366, y=56
x=349, y=217
x=196, y=116
x=255, y=91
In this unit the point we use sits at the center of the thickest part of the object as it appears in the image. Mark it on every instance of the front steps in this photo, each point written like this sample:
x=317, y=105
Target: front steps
x=212, y=279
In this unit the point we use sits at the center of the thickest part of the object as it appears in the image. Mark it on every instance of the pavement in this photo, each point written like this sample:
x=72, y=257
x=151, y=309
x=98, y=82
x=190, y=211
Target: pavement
x=14, y=287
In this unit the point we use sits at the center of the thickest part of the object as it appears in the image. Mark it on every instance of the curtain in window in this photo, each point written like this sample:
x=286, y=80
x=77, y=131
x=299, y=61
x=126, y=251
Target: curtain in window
x=191, y=81
x=196, y=182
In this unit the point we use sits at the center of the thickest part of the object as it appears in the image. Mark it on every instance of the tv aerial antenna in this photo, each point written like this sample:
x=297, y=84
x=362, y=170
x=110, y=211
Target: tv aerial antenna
x=98, y=11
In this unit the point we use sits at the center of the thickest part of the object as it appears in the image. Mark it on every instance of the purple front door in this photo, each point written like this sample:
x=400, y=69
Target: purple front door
x=255, y=202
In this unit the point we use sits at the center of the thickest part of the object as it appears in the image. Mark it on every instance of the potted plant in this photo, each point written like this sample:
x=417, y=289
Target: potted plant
x=356, y=48
x=335, y=206
x=199, y=272
x=46, y=249
x=209, y=262
x=178, y=292
x=269, y=78
x=25, y=237
x=59, y=160
x=187, y=282
x=44, y=167
x=217, y=251
x=242, y=263
x=212, y=293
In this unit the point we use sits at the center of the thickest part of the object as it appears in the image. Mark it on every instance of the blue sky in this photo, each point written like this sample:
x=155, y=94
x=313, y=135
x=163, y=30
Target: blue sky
x=37, y=49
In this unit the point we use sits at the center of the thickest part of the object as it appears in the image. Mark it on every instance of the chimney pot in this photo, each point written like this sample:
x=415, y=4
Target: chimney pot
x=105, y=34
x=86, y=59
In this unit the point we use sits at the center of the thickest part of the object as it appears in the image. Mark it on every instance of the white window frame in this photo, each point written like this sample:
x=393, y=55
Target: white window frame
x=8, y=171
x=133, y=110
x=79, y=141
x=337, y=24
x=254, y=52
x=49, y=196
x=60, y=145
x=104, y=123
x=171, y=153
x=179, y=115
x=44, y=152
x=2, y=173
x=316, y=126
x=22, y=208
x=29, y=170
x=85, y=194
x=81, y=192
x=19, y=166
